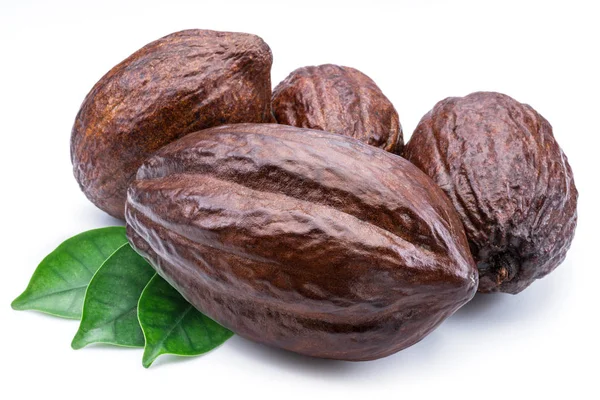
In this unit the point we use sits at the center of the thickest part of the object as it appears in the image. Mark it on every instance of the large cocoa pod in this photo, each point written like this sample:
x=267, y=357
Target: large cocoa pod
x=182, y=83
x=509, y=180
x=340, y=100
x=302, y=239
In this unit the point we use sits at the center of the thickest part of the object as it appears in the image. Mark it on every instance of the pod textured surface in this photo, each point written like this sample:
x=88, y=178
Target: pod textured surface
x=184, y=82
x=301, y=239
x=509, y=180
x=340, y=100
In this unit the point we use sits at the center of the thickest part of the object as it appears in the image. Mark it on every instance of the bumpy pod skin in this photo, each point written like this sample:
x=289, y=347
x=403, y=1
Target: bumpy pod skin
x=302, y=239
x=509, y=180
x=184, y=82
x=340, y=100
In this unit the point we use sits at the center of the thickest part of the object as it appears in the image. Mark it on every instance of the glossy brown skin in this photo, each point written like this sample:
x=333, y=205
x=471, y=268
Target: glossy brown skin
x=508, y=179
x=340, y=100
x=301, y=239
x=184, y=82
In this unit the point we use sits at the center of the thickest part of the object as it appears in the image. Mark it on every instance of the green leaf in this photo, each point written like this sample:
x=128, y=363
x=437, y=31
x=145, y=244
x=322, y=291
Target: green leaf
x=58, y=284
x=171, y=325
x=110, y=306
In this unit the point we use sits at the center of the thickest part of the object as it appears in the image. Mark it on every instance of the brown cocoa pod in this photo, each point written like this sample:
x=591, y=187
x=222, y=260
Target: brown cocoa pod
x=302, y=239
x=184, y=82
x=509, y=180
x=340, y=100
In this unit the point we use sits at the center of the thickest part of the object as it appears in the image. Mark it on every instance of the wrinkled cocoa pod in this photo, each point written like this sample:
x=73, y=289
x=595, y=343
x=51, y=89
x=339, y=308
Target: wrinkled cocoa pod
x=340, y=100
x=182, y=83
x=301, y=239
x=509, y=180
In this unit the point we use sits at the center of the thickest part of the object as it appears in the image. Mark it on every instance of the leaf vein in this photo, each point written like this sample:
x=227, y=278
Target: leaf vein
x=170, y=331
x=57, y=292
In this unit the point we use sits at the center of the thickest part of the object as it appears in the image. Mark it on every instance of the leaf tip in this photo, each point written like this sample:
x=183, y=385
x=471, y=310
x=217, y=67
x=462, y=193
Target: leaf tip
x=78, y=341
x=146, y=363
x=18, y=303
x=149, y=357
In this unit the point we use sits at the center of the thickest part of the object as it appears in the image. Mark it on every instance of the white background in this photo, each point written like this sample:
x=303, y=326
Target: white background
x=542, y=342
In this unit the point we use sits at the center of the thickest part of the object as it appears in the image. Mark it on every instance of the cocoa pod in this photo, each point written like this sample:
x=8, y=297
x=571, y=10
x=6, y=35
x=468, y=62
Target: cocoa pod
x=302, y=239
x=184, y=82
x=340, y=100
x=509, y=180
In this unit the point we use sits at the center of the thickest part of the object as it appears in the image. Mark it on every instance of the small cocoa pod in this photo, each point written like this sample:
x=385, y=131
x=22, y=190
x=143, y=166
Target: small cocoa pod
x=340, y=100
x=182, y=83
x=509, y=180
x=302, y=239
